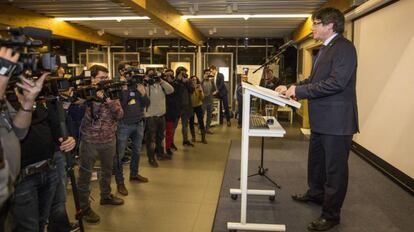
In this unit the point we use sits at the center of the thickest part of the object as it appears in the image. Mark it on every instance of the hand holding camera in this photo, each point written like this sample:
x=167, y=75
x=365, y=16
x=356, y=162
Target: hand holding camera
x=30, y=90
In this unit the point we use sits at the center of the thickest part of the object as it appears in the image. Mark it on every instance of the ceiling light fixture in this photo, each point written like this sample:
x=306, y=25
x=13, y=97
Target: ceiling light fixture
x=101, y=32
x=167, y=32
x=245, y=16
x=229, y=9
x=116, y=18
x=235, y=7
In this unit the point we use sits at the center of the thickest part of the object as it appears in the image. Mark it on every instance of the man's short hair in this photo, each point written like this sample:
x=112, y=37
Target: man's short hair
x=149, y=70
x=96, y=68
x=331, y=15
x=121, y=66
x=169, y=70
x=206, y=70
x=213, y=67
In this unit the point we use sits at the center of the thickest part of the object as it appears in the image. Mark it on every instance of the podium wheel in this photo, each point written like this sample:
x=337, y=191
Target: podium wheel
x=234, y=197
x=272, y=198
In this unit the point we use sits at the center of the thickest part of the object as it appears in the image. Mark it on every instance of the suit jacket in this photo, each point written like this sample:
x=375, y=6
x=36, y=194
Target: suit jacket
x=331, y=91
x=220, y=86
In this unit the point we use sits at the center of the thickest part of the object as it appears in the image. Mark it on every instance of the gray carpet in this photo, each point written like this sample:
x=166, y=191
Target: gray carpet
x=373, y=202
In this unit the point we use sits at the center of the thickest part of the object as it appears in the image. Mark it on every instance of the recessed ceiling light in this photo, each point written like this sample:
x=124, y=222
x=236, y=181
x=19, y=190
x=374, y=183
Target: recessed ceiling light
x=117, y=18
x=245, y=16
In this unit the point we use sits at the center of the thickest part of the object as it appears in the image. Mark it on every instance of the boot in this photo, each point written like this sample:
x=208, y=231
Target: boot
x=203, y=137
x=193, y=136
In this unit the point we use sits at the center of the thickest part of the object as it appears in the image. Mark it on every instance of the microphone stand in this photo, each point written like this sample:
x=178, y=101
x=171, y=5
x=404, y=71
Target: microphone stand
x=271, y=60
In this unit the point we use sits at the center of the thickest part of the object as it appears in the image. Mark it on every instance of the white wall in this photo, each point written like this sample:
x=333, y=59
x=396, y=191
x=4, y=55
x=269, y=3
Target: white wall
x=385, y=83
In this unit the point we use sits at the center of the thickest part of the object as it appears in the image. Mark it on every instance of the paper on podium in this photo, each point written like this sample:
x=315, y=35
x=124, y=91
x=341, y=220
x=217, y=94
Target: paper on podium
x=270, y=95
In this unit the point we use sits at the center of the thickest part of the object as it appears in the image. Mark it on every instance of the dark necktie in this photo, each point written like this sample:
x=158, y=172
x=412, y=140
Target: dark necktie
x=322, y=48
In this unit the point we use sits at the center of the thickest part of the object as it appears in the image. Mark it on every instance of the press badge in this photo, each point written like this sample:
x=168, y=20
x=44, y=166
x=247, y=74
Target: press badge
x=132, y=102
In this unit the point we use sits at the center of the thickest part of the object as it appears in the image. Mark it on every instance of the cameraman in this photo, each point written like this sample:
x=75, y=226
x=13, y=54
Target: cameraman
x=172, y=115
x=98, y=129
x=184, y=90
x=13, y=126
x=156, y=89
x=133, y=101
x=39, y=176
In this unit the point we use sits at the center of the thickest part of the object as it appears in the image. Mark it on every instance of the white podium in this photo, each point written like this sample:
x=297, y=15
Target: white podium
x=275, y=130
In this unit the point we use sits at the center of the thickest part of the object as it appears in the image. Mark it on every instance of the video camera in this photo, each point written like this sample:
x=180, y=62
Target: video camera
x=31, y=63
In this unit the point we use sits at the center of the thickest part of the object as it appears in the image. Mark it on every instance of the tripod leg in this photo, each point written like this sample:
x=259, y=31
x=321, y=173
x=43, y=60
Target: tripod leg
x=277, y=186
x=79, y=212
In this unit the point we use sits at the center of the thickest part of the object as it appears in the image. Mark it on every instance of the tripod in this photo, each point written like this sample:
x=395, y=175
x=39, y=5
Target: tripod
x=262, y=170
x=69, y=161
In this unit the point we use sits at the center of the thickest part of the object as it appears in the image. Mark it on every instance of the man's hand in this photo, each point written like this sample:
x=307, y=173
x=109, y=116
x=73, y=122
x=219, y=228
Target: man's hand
x=100, y=94
x=7, y=54
x=30, y=90
x=281, y=88
x=141, y=89
x=67, y=145
x=291, y=92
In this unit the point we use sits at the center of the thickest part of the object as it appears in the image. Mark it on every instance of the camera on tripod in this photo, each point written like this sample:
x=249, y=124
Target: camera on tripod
x=31, y=63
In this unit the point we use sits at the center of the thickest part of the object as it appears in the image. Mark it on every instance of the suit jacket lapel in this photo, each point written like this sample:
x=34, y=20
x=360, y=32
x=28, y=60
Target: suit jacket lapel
x=323, y=56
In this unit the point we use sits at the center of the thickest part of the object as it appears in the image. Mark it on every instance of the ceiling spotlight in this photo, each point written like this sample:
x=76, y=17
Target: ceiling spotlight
x=195, y=7
x=118, y=20
x=167, y=32
x=126, y=32
x=191, y=10
x=101, y=32
x=210, y=32
x=150, y=32
x=235, y=7
x=229, y=9
x=154, y=30
x=214, y=29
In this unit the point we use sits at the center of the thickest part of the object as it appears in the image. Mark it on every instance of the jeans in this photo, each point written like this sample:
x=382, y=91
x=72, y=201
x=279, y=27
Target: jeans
x=208, y=109
x=59, y=220
x=88, y=154
x=154, y=135
x=136, y=133
x=199, y=112
x=32, y=201
x=185, y=117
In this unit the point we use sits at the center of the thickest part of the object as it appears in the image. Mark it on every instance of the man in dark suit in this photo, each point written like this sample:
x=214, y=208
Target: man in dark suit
x=333, y=116
x=221, y=92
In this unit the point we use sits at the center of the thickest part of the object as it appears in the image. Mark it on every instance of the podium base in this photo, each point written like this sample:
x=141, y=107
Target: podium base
x=254, y=226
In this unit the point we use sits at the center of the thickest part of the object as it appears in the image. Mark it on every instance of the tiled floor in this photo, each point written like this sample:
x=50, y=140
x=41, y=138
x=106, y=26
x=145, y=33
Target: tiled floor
x=181, y=195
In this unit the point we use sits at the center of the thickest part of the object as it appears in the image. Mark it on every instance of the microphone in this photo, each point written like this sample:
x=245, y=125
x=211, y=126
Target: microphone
x=287, y=44
x=32, y=32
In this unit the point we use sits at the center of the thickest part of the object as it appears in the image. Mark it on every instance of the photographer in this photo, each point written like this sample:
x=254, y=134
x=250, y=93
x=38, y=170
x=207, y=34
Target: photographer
x=39, y=176
x=133, y=101
x=172, y=115
x=98, y=129
x=197, y=101
x=156, y=89
x=13, y=126
x=208, y=89
x=184, y=90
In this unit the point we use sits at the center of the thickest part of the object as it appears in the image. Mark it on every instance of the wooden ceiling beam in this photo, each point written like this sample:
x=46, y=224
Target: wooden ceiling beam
x=165, y=16
x=16, y=17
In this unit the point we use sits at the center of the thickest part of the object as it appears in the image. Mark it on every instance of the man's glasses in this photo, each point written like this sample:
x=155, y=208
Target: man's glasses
x=316, y=23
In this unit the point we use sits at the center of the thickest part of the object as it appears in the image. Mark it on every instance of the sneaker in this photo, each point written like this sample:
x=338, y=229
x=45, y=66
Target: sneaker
x=90, y=216
x=74, y=226
x=153, y=163
x=169, y=152
x=174, y=147
x=112, y=200
x=209, y=132
x=122, y=189
x=138, y=178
